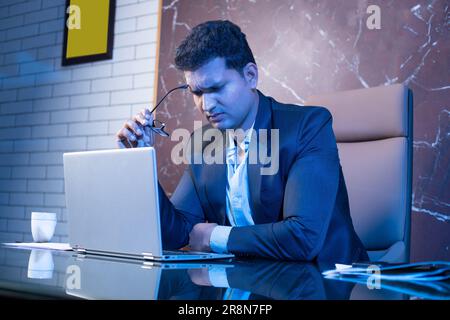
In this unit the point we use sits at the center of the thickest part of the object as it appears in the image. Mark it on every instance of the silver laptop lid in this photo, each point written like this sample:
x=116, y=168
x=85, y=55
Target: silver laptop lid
x=112, y=201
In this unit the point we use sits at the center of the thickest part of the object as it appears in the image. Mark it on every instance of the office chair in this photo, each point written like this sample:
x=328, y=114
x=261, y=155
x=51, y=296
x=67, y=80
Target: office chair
x=373, y=129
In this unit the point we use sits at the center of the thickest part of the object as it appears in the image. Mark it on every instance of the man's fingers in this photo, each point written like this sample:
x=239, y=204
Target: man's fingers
x=141, y=143
x=134, y=128
x=147, y=133
x=140, y=118
x=137, y=132
x=146, y=119
x=149, y=136
x=123, y=144
x=121, y=137
x=126, y=135
x=147, y=114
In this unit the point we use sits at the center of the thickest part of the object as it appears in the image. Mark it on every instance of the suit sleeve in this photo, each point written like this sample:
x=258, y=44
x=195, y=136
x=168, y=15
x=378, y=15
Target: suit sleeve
x=308, y=203
x=180, y=213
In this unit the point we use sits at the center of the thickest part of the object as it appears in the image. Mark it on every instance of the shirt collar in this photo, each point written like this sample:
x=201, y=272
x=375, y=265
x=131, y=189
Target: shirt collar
x=233, y=136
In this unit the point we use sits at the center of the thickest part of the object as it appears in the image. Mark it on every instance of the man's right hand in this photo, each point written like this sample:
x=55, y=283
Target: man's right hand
x=136, y=133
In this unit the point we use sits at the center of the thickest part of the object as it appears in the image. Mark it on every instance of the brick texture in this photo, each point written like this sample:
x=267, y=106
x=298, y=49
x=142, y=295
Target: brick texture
x=47, y=109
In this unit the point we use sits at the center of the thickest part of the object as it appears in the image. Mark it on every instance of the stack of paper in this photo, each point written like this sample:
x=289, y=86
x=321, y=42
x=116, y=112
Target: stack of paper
x=40, y=245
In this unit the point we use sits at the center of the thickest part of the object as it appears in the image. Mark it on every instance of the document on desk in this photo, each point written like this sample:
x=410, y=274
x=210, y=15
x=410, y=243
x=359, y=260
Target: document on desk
x=419, y=271
x=40, y=245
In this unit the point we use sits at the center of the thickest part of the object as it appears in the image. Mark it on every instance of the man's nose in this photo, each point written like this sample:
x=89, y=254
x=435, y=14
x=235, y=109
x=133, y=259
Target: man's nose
x=208, y=103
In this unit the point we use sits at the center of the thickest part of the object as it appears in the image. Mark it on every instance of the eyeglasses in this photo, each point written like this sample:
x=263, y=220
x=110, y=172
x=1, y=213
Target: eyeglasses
x=158, y=126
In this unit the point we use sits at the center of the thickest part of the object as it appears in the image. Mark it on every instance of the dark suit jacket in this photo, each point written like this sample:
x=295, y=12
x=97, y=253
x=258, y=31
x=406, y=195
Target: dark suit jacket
x=300, y=213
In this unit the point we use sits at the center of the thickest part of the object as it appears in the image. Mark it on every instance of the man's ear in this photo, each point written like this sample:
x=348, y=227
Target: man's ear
x=250, y=72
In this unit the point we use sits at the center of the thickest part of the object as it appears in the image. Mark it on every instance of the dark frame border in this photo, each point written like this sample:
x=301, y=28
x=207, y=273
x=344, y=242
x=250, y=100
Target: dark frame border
x=93, y=57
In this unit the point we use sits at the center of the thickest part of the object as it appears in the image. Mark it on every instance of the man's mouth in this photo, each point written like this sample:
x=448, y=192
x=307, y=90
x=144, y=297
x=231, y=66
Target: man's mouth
x=216, y=117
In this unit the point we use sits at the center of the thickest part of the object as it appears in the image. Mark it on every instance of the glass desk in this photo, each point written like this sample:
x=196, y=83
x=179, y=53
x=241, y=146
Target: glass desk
x=40, y=273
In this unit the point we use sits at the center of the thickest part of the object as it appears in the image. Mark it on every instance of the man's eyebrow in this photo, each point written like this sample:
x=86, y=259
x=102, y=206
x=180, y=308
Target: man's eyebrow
x=213, y=86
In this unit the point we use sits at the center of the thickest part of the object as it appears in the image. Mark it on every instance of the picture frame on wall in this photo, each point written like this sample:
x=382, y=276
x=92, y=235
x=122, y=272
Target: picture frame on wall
x=88, y=31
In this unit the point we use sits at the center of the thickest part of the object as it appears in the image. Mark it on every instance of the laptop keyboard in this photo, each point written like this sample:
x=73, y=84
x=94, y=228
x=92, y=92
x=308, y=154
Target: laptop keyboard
x=169, y=252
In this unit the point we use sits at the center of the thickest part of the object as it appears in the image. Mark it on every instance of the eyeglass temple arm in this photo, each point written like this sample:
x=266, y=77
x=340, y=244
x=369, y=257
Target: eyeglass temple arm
x=184, y=86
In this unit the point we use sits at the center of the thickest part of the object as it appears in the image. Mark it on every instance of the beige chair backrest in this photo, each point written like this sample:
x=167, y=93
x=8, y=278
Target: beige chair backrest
x=373, y=128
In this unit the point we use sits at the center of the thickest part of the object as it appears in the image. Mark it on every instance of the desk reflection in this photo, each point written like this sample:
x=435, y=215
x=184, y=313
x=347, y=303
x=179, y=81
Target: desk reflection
x=108, y=278
x=40, y=264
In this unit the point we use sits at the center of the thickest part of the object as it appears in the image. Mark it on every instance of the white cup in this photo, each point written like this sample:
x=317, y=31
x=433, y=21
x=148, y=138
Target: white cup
x=43, y=226
x=40, y=264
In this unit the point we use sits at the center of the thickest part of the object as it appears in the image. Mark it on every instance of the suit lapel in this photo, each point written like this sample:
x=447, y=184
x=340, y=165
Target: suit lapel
x=215, y=177
x=261, y=214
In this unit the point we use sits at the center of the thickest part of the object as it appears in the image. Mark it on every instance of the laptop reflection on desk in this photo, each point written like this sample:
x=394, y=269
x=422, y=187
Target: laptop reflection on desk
x=113, y=206
x=104, y=279
x=112, y=278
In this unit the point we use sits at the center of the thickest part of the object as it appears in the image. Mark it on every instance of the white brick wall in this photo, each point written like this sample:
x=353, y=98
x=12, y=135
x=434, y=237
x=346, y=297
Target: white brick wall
x=47, y=109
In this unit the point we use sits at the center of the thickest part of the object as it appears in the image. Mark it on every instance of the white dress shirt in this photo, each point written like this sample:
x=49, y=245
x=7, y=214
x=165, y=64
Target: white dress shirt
x=237, y=191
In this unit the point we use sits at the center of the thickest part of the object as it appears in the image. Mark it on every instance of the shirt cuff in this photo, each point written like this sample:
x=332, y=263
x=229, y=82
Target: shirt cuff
x=218, y=277
x=219, y=239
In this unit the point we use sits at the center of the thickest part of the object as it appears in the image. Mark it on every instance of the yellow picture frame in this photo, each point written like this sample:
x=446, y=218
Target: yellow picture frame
x=88, y=31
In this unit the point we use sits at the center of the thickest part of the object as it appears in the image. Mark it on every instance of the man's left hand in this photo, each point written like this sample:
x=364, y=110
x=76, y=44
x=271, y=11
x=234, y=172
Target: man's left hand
x=200, y=236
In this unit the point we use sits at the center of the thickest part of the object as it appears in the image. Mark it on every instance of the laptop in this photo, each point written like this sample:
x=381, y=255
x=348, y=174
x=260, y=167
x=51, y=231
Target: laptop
x=113, y=207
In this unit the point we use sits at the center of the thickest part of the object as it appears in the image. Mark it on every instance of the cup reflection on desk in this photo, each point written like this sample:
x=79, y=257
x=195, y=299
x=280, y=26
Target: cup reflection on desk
x=40, y=264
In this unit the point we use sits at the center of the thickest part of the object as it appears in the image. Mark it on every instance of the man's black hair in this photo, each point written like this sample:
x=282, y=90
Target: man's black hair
x=214, y=39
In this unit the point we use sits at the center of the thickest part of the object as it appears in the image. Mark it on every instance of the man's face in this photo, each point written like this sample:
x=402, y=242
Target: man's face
x=227, y=99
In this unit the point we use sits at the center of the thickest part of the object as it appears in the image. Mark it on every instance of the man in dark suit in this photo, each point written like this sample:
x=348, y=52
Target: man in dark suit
x=294, y=207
